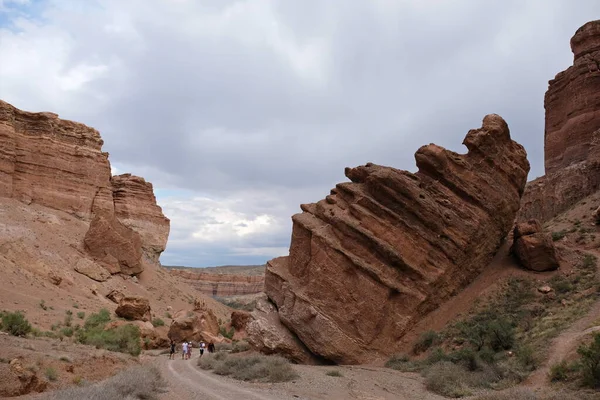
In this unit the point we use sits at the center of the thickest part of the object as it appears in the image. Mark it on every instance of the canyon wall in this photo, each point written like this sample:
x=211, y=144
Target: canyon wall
x=381, y=251
x=59, y=164
x=572, y=134
x=221, y=285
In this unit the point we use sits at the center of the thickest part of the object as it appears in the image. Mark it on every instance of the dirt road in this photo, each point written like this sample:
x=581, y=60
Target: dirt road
x=186, y=381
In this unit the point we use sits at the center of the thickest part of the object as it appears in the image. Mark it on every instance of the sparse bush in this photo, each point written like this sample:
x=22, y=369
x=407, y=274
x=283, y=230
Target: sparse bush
x=15, y=323
x=223, y=346
x=334, y=373
x=51, y=374
x=240, y=346
x=401, y=362
x=590, y=361
x=158, y=322
x=81, y=314
x=67, y=331
x=124, y=339
x=65, y=359
x=228, y=334
x=141, y=382
x=75, y=305
x=558, y=235
x=259, y=368
x=425, y=341
x=447, y=379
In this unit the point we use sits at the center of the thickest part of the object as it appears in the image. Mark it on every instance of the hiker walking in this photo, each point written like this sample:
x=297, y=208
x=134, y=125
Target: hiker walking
x=202, y=346
x=172, y=353
x=184, y=350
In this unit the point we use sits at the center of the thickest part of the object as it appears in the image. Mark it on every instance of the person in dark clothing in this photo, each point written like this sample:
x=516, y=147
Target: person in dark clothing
x=172, y=353
x=211, y=347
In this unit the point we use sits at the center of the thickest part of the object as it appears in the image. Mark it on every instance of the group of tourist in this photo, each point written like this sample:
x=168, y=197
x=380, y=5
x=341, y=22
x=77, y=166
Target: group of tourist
x=186, y=349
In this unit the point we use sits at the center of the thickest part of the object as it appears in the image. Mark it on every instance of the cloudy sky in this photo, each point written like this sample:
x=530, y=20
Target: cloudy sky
x=238, y=111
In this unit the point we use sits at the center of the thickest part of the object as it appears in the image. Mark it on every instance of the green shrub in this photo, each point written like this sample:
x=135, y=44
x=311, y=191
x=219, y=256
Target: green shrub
x=228, y=334
x=75, y=305
x=590, y=361
x=15, y=323
x=559, y=372
x=335, y=373
x=425, y=341
x=124, y=339
x=526, y=357
x=97, y=319
x=51, y=374
x=501, y=334
x=558, y=235
x=158, y=322
x=81, y=314
x=67, y=331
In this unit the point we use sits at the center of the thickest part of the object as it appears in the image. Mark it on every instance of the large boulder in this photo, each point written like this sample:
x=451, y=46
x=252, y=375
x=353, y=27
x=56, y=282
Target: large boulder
x=534, y=248
x=115, y=296
x=377, y=254
x=134, y=308
x=267, y=334
x=196, y=326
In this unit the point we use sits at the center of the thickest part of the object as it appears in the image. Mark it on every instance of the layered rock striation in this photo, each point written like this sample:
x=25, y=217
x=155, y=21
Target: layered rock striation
x=572, y=133
x=60, y=164
x=221, y=285
x=381, y=251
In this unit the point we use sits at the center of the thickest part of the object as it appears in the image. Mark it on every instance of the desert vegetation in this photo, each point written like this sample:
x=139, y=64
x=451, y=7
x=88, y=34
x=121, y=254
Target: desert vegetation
x=501, y=342
x=143, y=382
x=14, y=323
x=255, y=367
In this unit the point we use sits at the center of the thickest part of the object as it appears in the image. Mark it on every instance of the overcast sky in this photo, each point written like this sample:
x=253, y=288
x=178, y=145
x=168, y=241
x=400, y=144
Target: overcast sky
x=239, y=111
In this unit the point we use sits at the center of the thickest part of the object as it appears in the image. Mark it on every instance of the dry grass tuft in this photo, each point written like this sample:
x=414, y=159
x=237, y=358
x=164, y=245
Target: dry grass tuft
x=143, y=383
x=253, y=367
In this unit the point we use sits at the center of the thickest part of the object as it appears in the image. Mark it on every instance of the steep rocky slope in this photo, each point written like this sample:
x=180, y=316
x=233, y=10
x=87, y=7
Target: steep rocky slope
x=380, y=252
x=59, y=164
x=70, y=233
x=572, y=137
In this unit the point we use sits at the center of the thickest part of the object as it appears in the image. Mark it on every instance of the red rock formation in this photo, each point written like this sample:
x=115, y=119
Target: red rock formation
x=50, y=161
x=134, y=308
x=196, y=326
x=221, y=284
x=533, y=247
x=60, y=164
x=572, y=137
x=377, y=254
x=135, y=207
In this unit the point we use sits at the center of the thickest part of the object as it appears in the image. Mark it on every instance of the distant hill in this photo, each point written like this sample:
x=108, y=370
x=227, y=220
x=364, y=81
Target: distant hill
x=246, y=270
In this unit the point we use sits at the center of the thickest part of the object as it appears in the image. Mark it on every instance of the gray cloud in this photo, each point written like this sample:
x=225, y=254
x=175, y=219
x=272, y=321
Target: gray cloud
x=259, y=105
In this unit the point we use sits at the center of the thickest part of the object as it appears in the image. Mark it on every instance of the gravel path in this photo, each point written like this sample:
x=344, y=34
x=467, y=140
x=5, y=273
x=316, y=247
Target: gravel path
x=186, y=381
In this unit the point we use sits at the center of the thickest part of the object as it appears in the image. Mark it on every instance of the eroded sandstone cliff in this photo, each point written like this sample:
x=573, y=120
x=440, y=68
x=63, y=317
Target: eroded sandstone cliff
x=381, y=251
x=60, y=164
x=572, y=136
x=221, y=284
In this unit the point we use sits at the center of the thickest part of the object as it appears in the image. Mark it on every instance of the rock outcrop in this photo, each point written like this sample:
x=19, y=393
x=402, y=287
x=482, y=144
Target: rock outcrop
x=533, y=247
x=134, y=308
x=135, y=206
x=221, y=285
x=267, y=334
x=378, y=253
x=60, y=164
x=572, y=136
x=195, y=326
x=92, y=270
